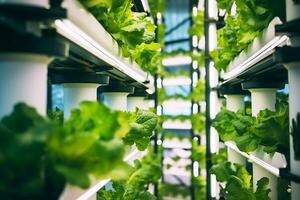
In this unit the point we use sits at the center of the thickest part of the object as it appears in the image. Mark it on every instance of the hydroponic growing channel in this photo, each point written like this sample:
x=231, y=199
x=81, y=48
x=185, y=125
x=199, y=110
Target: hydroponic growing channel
x=149, y=99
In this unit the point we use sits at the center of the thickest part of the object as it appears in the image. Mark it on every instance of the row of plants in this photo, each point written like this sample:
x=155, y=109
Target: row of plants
x=238, y=182
x=197, y=28
x=269, y=129
x=251, y=18
x=197, y=120
x=198, y=154
x=133, y=31
x=197, y=95
x=39, y=155
x=145, y=173
x=235, y=180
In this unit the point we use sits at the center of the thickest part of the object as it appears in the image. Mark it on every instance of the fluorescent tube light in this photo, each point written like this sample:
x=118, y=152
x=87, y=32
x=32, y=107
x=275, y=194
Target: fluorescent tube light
x=75, y=34
x=176, y=61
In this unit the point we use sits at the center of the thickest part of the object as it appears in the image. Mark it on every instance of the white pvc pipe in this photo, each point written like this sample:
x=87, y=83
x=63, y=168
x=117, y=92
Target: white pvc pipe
x=116, y=100
x=263, y=98
x=74, y=93
x=292, y=10
x=149, y=103
x=234, y=103
x=23, y=79
x=135, y=102
x=258, y=173
x=294, y=108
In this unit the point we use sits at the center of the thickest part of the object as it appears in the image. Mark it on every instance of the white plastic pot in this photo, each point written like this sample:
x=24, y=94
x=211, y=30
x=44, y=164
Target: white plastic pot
x=234, y=103
x=116, y=100
x=292, y=10
x=263, y=98
x=135, y=102
x=74, y=93
x=23, y=78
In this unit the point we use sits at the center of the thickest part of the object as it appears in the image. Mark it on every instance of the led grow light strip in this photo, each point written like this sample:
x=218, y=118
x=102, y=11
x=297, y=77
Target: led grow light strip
x=94, y=190
x=146, y=5
x=186, y=125
x=259, y=55
x=177, y=61
x=73, y=33
x=265, y=165
x=135, y=154
x=177, y=81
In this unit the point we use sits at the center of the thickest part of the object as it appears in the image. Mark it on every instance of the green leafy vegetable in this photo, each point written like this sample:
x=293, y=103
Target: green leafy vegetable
x=145, y=172
x=23, y=137
x=88, y=144
x=240, y=30
x=219, y=157
x=171, y=190
x=269, y=129
x=198, y=93
x=198, y=25
x=56, y=116
x=238, y=182
x=141, y=129
x=133, y=31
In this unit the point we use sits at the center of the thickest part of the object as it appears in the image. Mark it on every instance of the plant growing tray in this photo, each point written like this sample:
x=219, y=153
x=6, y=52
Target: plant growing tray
x=259, y=49
x=82, y=28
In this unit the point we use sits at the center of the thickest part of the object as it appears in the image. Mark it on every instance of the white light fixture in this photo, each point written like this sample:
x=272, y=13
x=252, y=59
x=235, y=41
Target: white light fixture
x=260, y=54
x=196, y=169
x=195, y=11
x=213, y=186
x=145, y=5
x=69, y=30
x=159, y=110
x=274, y=170
x=195, y=64
x=177, y=125
x=195, y=41
x=201, y=43
x=195, y=108
x=177, y=81
x=159, y=83
x=214, y=141
x=212, y=29
x=195, y=79
x=158, y=16
x=159, y=142
x=176, y=61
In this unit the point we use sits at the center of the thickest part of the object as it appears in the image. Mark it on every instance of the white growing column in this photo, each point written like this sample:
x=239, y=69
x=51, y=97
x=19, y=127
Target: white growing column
x=115, y=95
x=292, y=10
x=263, y=98
x=134, y=102
x=78, y=87
x=23, y=78
x=234, y=103
x=292, y=13
x=294, y=109
x=116, y=100
x=74, y=93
